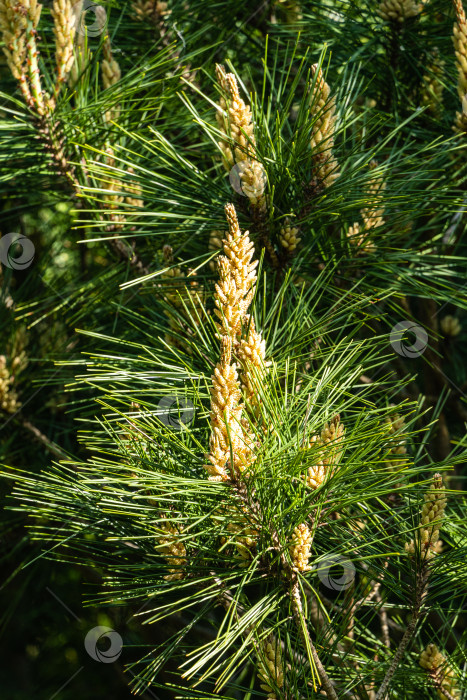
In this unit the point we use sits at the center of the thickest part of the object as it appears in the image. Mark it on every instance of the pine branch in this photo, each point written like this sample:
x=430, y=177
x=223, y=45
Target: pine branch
x=383, y=616
x=302, y=628
x=49, y=445
x=443, y=691
x=420, y=595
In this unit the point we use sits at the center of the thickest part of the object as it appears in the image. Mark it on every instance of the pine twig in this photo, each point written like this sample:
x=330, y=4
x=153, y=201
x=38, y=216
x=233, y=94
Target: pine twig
x=383, y=618
x=442, y=690
x=226, y=599
x=420, y=593
x=300, y=621
x=44, y=440
x=127, y=254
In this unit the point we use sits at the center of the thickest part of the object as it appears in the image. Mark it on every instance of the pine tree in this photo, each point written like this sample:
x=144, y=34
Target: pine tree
x=248, y=289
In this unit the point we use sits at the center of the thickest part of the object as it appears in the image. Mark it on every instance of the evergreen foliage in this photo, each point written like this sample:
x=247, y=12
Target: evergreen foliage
x=232, y=379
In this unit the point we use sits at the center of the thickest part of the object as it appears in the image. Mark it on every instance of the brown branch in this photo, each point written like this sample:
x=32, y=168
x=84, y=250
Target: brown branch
x=302, y=627
x=442, y=690
x=420, y=594
x=383, y=618
x=125, y=252
x=43, y=439
x=53, y=140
